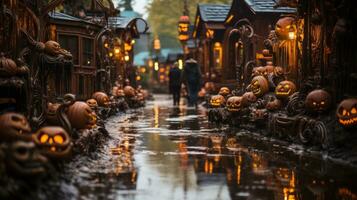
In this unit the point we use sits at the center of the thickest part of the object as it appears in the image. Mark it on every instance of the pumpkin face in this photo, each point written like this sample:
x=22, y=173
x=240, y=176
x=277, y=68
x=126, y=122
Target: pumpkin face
x=259, y=71
x=278, y=71
x=23, y=159
x=347, y=112
x=224, y=91
x=259, y=86
x=120, y=93
x=269, y=68
x=318, y=101
x=54, y=142
x=7, y=66
x=235, y=103
x=14, y=126
x=51, y=112
x=81, y=116
x=285, y=89
x=217, y=101
x=92, y=103
x=249, y=97
x=129, y=91
x=210, y=87
x=283, y=26
x=101, y=98
x=273, y=105
x=52, y=48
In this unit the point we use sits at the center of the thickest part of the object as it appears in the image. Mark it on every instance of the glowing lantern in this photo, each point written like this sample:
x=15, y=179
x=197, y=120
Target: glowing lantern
x=180, y=64
x=156, y=66
x=183, y=26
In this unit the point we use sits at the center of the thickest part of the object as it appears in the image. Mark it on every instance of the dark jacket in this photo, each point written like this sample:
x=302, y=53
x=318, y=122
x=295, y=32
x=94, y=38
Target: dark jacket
x=192, y=74
x=175, y=79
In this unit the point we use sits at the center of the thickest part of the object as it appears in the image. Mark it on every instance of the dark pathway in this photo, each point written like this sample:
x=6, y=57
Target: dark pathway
x=161, y=152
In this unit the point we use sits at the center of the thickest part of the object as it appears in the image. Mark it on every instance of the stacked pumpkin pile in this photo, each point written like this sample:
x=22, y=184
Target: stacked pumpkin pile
x=270, y=96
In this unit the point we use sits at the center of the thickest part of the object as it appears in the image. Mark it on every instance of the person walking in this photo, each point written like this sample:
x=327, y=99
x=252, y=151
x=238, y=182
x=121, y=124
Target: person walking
x=175, y=83
x=192, y=78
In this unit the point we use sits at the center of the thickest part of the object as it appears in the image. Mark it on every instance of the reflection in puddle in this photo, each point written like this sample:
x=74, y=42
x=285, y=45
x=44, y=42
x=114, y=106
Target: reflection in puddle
x=173, y=153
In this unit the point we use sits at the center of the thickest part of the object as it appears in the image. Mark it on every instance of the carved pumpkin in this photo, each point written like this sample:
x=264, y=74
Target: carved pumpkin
x=278, y=71
x=129, y=91
x=273, y=105
x=7, y=66
x=52, y=48
x=115, y=91
x=235, y=103
x=81, y=116
x=347, y=112
x=285, y=89
x=120, y=93
x=258, y=71
x=217, y=101
x=249, y=97
x=283, y=26
x=224, y=91
x=14, y=126
x=210, y=87
x=202, y=93
x=51, y=113
x=54, y=142
x=265, y=52
x=92, y=103
x=101, y=98
x=24, y=160
x=318, y=101
x=269, y=68
x=140, y=97
x=259, y=86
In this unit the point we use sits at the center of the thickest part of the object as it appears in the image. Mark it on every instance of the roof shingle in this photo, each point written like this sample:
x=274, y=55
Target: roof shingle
x=213, y=12
x=267, y=6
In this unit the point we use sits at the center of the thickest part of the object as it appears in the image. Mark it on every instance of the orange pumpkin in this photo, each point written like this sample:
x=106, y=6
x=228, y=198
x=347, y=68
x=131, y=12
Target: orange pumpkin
x=7, y=66
x=278, y=71
x=347, y=112
x=224, y=91
x=54, y=142
x=249, y=97
x=81, y=116
x=259, y=86
x=129, y=91
x=210, y=87
x=52, y=48
x=101, y=98
x=92, y=103
x=282, y=27
x=235, y=103
x=318, y=101
x=217, y=101
x=258, y=71
x=285, y=89
x=120, y=93
x=14, y=126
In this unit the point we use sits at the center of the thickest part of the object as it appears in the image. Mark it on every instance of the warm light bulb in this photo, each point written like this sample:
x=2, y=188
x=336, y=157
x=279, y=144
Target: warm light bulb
x=180, y=63
x=126, y=57
x=116, y=50
x=156, y=66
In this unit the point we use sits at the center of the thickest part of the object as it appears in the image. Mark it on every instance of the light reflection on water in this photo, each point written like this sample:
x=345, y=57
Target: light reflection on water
x=173, y=153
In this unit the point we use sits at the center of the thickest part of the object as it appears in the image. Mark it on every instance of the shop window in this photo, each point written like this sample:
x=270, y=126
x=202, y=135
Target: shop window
x=217, y=54
x=70, y=43
x=87, y=58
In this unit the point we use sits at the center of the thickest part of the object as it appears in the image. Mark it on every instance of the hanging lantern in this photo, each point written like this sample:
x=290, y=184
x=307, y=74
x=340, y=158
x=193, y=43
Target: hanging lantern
x=183, y=27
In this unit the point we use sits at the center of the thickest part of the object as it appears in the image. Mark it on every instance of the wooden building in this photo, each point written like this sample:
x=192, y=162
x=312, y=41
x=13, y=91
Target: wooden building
x=249, y=22
x=209, y=31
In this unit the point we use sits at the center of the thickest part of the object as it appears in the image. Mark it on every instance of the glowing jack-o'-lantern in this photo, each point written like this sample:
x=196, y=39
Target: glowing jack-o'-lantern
x=278, y=71
x=54, y=142
x=217, y=101
x=92, y=103
x=81, y=116
x=347, y=112
x=101, y=98
x=129, y=91
x=224, y=91
x=283, y=26
x=285, y=89
x=235, y=103
x=7, y=66
x=202, y=93
x=249, y=97
x=14, y=126
x=24, y=160
x=318, y=101
x=259, y=86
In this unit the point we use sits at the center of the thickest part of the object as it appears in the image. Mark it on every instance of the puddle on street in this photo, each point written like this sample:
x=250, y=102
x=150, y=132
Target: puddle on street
x=162, y=152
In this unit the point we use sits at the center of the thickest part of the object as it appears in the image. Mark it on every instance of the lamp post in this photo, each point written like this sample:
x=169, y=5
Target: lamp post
x=183, y=27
